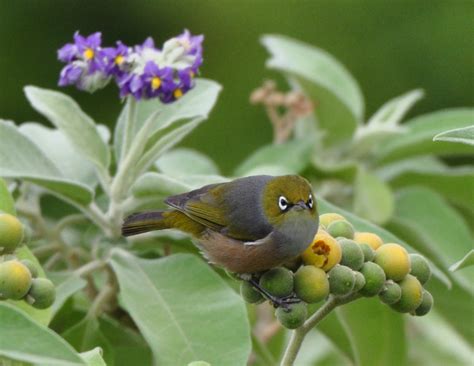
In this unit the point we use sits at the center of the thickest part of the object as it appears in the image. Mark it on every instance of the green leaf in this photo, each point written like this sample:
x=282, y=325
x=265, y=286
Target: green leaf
x=93, y=357
x=86, y=335
x=384, y=123
x=56, y=146
x=336, y=94
x=22, y=158
x=161, y=185
x=6, y=200
x=377, y=332
x=461, y=135
x=23, y=339
x=292, y=157
x=442, y=179
x=64, y=113
x=373, y=198
x=182, y=161
x=129, y=347
x=466, y=261
x=41, y=316
x=434, y=342
x=183, y=309
x=455, y=306
x=447, y=237
x=418, y=139
x=330, y=167
x=340, y=335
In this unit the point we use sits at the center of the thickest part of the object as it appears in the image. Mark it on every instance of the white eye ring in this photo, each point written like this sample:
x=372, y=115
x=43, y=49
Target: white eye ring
x=310, y=201
x=282, y=203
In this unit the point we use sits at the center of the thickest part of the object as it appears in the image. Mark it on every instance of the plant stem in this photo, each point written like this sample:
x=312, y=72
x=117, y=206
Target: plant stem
x=299, y=334
x=89, y=268
x=129, y=125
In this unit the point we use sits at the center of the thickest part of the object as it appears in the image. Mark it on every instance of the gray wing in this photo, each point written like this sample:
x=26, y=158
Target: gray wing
x=233, y=209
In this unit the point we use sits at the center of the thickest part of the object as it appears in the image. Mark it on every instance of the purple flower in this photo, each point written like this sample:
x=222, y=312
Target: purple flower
x=158, y=81
x=117, y=60
x=192, y=44
x=86, y=63
x=142, y=71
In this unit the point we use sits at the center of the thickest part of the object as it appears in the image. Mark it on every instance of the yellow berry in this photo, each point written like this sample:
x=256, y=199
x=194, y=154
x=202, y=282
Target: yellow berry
x=326, y=219
x=311, y=284
x=368, y=238
x=11, y=233
x=324, y=252
x=15, y=280
x=394, y=260
x=412, y=295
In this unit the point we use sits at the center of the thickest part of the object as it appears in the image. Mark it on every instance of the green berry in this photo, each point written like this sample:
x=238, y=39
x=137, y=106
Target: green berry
x=249, y=294
x=278, y=282
x=311, y=284
x=359, y=281
x=426, y=304
x=374, y=279
x=352, y=255
x=394, y=260
x=292, y=317
x=42, y=293
x=341, y=280
x=390, y=293
x=420, y=268
x=412, y=295
x=369, y=253
x=11, y=233
x=32, y=267
x=15, y=280
x=341, y=228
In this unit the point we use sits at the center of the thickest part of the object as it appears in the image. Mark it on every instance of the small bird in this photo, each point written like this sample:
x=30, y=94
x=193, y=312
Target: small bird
x=246, y=226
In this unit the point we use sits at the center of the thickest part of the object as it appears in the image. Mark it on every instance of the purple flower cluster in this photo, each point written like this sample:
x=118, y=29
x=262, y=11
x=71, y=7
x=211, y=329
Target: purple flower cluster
x=142, y=71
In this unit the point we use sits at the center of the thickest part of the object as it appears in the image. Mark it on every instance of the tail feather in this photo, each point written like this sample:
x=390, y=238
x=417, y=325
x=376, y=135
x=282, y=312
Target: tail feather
x=143, y=222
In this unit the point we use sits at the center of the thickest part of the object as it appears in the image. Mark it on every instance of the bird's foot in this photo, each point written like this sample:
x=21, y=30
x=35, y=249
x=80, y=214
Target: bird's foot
x=277, y=302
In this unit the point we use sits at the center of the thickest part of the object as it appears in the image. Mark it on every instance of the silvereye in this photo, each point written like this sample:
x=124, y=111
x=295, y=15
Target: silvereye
x=247, y=225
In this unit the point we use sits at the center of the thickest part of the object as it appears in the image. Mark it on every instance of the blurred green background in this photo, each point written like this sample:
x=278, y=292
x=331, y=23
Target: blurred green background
x=389, y=46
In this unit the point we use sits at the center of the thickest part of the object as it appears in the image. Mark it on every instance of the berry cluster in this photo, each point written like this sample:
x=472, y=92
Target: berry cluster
x=346, y=263
x=19, y=278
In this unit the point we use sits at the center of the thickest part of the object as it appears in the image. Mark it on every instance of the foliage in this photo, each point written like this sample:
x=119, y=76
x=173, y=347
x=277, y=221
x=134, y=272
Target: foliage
x=73, y=186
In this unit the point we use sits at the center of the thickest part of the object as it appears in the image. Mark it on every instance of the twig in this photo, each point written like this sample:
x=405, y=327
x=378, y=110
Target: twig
x=89, y=268
x=299, y=334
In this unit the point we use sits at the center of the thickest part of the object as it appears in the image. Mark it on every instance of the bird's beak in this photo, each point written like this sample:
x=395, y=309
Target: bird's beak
x=301, y=205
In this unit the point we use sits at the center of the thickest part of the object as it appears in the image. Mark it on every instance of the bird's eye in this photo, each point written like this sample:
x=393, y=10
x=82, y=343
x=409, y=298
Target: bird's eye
x=282, y=203
x=310, y=201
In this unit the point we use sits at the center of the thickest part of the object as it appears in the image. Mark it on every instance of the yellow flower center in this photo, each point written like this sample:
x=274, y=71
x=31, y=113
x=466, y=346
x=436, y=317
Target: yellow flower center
x=119, y=59
x=89, y=54
x=178, y=93
x=155, y=82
